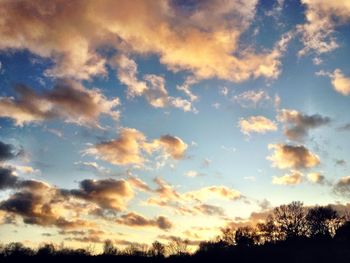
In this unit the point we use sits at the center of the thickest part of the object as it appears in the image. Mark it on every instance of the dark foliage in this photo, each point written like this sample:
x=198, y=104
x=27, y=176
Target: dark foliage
x=291, y=233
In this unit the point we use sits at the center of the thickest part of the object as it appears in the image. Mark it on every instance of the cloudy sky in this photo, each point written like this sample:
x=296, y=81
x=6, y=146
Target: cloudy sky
x=137, y=121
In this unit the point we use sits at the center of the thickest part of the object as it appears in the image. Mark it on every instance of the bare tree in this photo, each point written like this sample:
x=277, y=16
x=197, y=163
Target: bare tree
x=109, y=248
x=322, y=221
x=245, y=236
x=228, y=235
x=157, y=249
x=177, y=247
x=290, y=220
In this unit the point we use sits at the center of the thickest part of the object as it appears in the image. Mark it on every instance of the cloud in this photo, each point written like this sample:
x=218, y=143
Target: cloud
x=137, y=183
x=192, y=173
x=224, y=91
x=173, y=146
x=152, y=87
x=132, y=146
x=42, y=204
x=252, y=98
x=94, y=167
x=7, y=178
x=134, y=219
x=215, y=191
x=317, y=34
x=191, y=202
x=127, y=149
x=6, y=151
x=342, y=187
x=292, y=156
x=72, y=35
x=345, y=127
x=107, y=193
x=293, y=178
x=316, y=178
x=68, y=100
x=38, y=203
x=257, y=124
x=207, y=209
x=297, y=124
x=340, y=82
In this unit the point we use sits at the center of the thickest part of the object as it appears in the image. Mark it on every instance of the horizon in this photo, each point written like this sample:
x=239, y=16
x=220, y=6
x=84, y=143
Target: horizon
x=136, y=121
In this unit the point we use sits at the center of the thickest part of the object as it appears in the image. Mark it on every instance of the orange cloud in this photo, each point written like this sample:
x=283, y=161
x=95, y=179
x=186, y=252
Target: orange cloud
x=134, y=219
x=107, y=193
x=132, y=145
x=297, y=124
x=340, y=82
x=202, y=41
x=316, y=178
x=68, y=100
x=192, y=202
x=293, y=178
x=257, y=124
x=292, y=156
x=317, y=34
x=152, y=87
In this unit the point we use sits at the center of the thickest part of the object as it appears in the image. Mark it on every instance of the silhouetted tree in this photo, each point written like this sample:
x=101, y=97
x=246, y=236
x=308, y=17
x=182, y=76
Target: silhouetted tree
x=109, y=248
x=267, y=232
x=343, y=233
x=290, y=220
x=17, y=249
x=139, y=250
x=245, y=236
x=228, y=235
x=212, y=246
x=177, y=247
x=46, y=250
x=322, y=221
x=158, y=249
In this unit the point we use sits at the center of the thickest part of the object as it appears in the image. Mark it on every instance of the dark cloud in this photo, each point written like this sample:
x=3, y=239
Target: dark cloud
x=107, y=193
x=132, y=146
x=345, y=127
x=68, y=100
x=180, y=240
x=41, y=204
x=173, y=145
x=134, y=219
x=342, y=187
x=297, y=125
x=6, y=151
x=340, y=162
x=292, y=156
x=7, y=178
x=207, y=209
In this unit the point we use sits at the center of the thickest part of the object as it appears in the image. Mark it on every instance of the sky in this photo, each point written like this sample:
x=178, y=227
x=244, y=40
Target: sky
x=137, y=121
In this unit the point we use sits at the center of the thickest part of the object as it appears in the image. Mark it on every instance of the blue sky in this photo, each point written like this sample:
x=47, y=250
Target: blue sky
x=144, y=112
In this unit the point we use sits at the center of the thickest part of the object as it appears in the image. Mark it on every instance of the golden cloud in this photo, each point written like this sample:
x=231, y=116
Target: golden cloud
x=251, y=98
x=342, y=187
x=321, y=19
x=297, y=124
x=191, y=202
x=136, y=220
x=258, y=124
x=316, y=178
x=152, y=87
x=340, y=82
x=132, y=145
x=292, y=156
x=68, y=100
x=107, y=193
x=202, y=41
x=293, y=178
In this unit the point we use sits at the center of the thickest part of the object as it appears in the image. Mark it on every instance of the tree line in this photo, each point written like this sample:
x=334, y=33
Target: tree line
x=290, y=233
